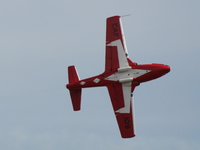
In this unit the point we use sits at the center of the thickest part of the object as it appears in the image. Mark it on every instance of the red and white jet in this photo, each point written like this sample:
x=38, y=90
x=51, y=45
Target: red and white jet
x=121, y=76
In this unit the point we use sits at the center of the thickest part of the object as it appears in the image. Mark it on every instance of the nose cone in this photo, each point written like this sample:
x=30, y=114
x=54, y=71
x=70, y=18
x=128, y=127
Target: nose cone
x=158, y=71
x=164, y=69
x=154, y=71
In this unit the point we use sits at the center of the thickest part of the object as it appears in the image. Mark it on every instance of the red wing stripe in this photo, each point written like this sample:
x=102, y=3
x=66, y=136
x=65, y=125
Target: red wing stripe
x=114, y=30
x=126, y=124
x=112, y=61
x=116, y=96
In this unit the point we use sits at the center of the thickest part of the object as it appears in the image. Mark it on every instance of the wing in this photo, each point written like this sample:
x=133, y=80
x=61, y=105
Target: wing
x=117, y=65
x=121, y=98
x=116, y=51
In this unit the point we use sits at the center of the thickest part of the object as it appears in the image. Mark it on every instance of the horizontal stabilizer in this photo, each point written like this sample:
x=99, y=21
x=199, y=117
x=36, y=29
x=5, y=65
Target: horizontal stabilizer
x=75, y=93
x=76, y=98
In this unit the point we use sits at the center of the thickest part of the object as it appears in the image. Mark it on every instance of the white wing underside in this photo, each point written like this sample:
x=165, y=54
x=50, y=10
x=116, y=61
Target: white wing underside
x=126, y=88
x=123, y=63
x=121, y=75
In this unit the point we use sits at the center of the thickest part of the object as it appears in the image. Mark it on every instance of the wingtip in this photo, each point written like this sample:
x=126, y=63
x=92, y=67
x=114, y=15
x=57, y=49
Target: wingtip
x=128, y=137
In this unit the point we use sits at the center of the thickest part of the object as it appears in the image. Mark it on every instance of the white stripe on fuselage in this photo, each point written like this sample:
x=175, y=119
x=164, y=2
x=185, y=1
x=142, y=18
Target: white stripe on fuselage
x=131, y=73
x=126, y=89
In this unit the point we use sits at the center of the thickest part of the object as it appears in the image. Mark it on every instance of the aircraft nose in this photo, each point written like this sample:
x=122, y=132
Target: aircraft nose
x=167, y=69
x=156, y=71
x=164, y=69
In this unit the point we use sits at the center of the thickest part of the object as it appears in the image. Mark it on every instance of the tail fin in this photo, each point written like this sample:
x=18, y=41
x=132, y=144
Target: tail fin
x=72, y=74
x=74, y=93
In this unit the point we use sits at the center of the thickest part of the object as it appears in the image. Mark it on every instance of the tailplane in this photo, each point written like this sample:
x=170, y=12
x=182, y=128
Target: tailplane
x=75, y=93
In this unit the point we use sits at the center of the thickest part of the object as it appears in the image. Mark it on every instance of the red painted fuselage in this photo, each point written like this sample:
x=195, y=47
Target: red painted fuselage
x=151, y=71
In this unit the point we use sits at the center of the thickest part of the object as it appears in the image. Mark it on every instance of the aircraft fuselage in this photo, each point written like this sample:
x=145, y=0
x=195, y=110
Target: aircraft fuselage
x=135, y=73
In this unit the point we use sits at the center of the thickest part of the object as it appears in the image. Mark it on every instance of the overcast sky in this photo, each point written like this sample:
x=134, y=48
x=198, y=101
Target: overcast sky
x=39, y=39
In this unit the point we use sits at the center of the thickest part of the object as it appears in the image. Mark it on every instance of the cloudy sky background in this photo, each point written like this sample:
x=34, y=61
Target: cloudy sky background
x=40, y=38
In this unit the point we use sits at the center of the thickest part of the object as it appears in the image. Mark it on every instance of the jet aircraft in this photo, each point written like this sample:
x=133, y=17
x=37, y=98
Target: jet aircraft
x=121, y=76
